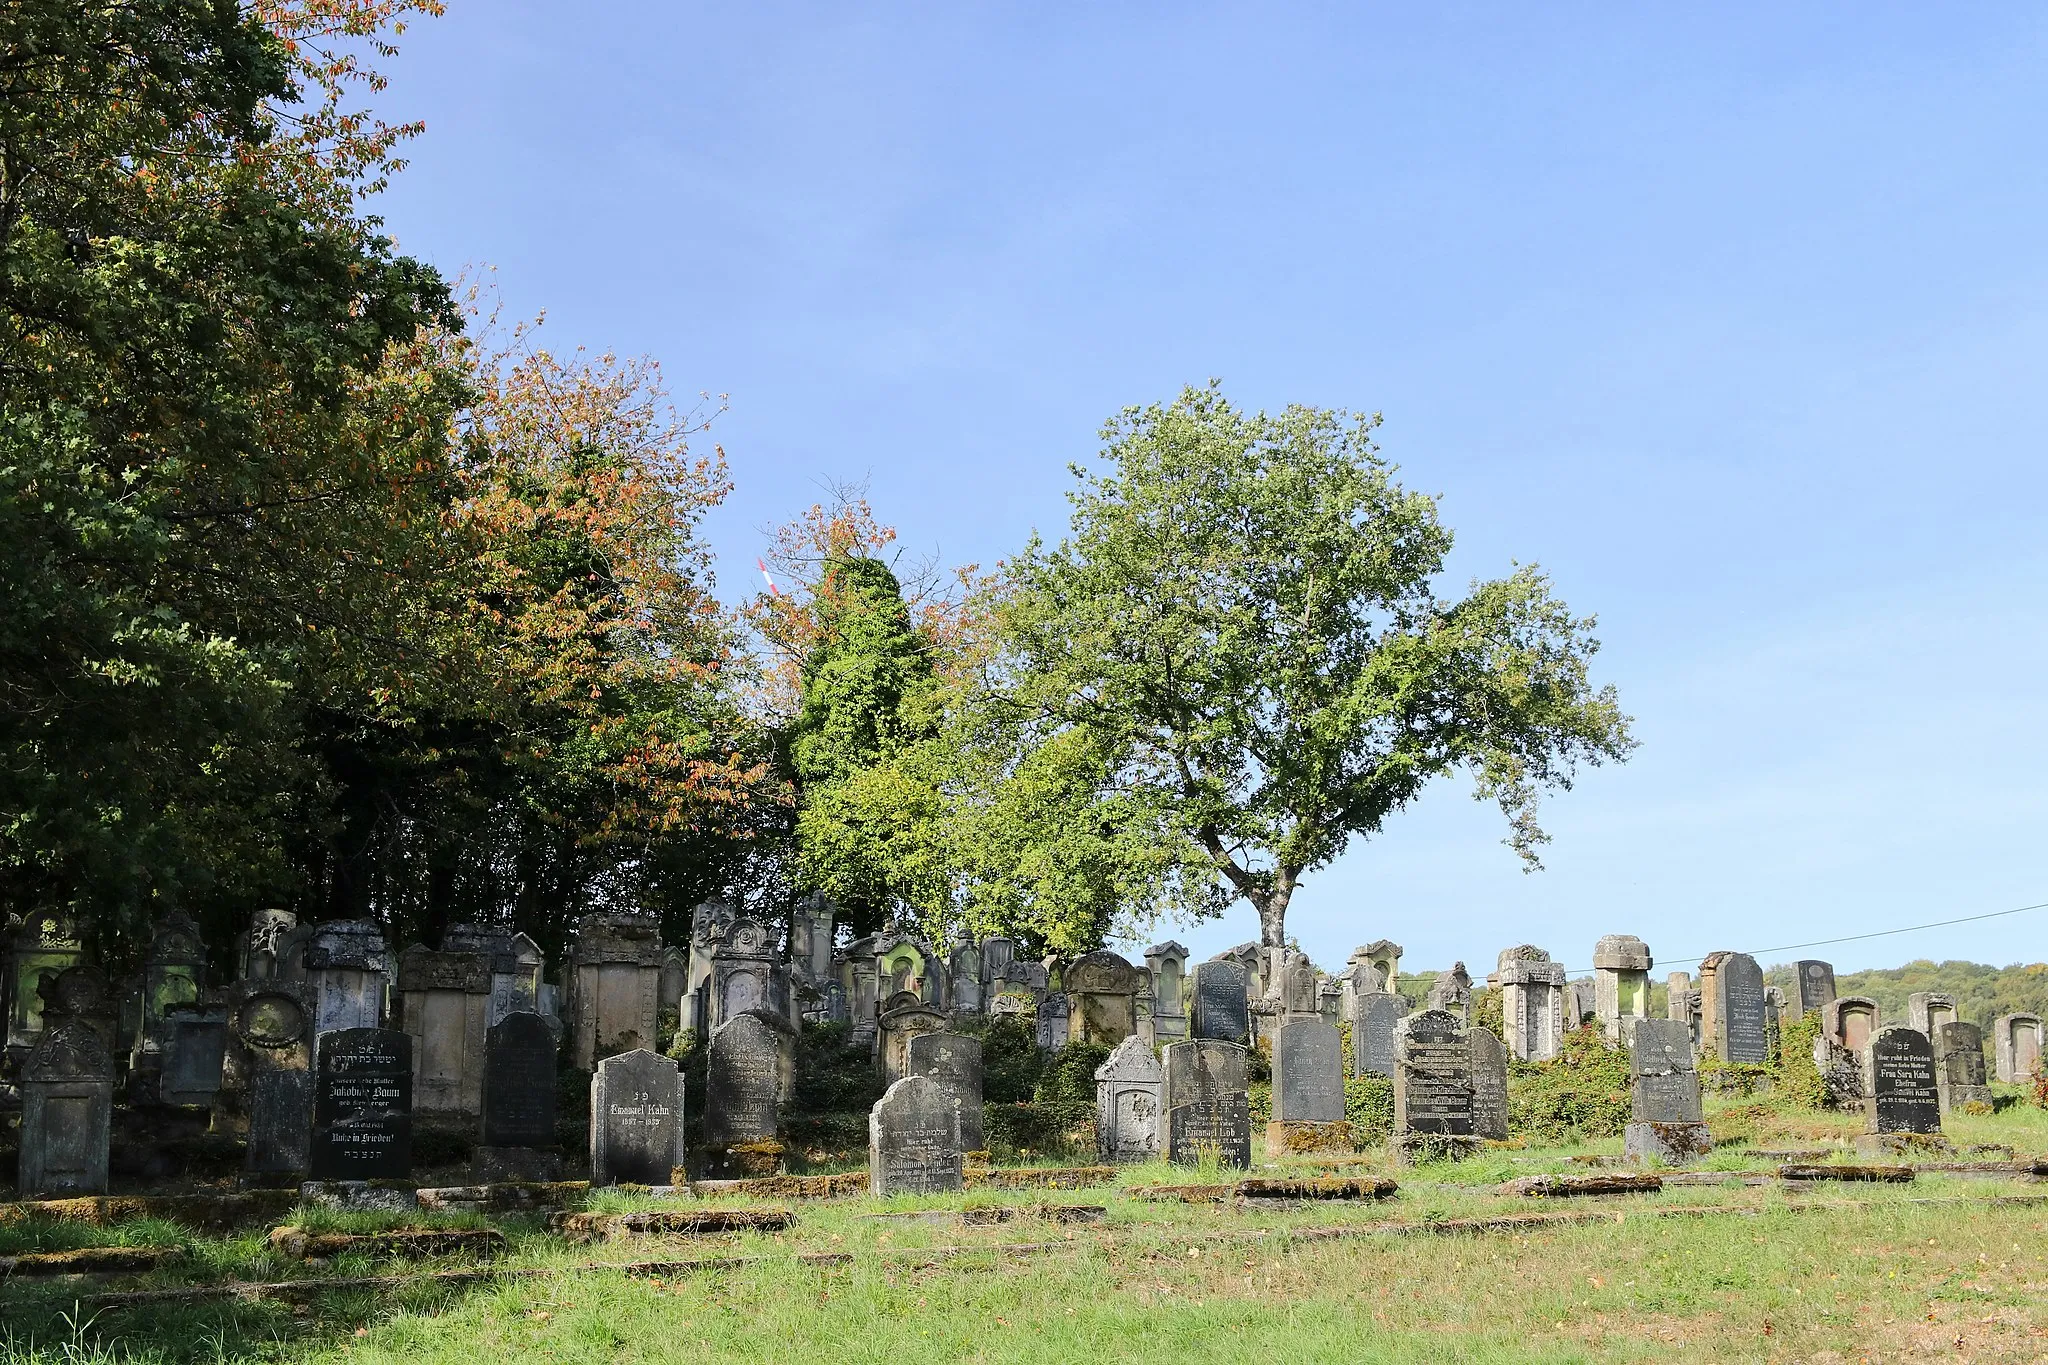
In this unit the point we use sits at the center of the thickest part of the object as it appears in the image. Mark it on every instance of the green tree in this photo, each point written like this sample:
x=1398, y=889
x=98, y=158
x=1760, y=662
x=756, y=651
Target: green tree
x=1242, y=623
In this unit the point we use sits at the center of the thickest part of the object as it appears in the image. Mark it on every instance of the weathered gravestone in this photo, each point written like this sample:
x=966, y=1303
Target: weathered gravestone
x=1732, y=1008
x=37, y=946
x=1208, y=1103
x=636, y=1119
x=748, y=1073
x=272, y=1027
x=1104, y=988
x=1452, y=993
x=1375, y=1017
x=196, y=1041
x=914, y=1140
x=172, y=974
x=614, y=986
x=954, y=1061
x=1898, y=1078
x=1929, y=1010
x=1308, y=1089
x=2016, y=1047
x=1167, y=963
x=446, y=1001
x=1665, y=1121
x=903, y=1018
x=1489, y=1085
x=1816, y=984
x=1130, y=1090
x=347, y=971
x=1432, y=1087
x=1621, y=984
x=1534, y=1007
x=362, y=1105
x=520, y=1054
x=1846, y=1025
x=1221, y=1005
x=67, y=1110
x=1959, y=1067
x=1055, y=1018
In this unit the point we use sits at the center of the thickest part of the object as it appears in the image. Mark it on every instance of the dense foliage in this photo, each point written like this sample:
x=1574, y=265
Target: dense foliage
x=1982, y=992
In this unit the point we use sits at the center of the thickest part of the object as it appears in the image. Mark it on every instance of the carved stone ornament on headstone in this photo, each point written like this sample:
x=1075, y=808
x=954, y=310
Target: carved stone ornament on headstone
x=1130, y=1091
x=954, y=1061
x=636, y=1119
x=273, y=1027
x=67, y=1109
x=362, y=1105
x=914, y=1142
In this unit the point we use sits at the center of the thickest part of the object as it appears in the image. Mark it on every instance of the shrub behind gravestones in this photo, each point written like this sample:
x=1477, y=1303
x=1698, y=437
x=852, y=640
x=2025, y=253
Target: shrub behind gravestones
x=1010, y=1060
x=1582, y=1093
x=1069, y=1075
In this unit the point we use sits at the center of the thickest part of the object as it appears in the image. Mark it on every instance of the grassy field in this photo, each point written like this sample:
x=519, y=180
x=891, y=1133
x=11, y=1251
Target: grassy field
x=1939, y=1268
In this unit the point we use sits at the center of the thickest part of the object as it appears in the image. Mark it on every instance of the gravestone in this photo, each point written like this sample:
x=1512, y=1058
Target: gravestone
x=1849, y=1022
x=2016, y=1047
x=1489, y=1085
x=1055, y=1019
x=749, y=1072
x=516, y=964
x=195, y=1045
x=1959, y=1067
x=1666, y=1124
x=744, y=973
x=172, y=974
x=963, y=980
x=636, y=1119
x=83, y=993
x=953, y=1060
x=1898, y=1078
x=37, y=946
x=860, y=979
x=1220, y=1009
x=520, y=1055
x=1208, y=1103
x=708, y=920
x=1929, y=1010
x=904, y=1018
x=1299, y=990
x=1432, y=1087
x=1168, y=964
x=614, y=986
x=256, y=946
x=901, y=965
x=1375, y=1018
x=1816, y=984
x=1130, y=1090
x=1452, y=993
x=914, y=1140
x=446, y=999
x=996, y=956
x=1383, y=956
x=1308, y=1089
x=273, y=1053
x=67, y=1112
x=1104, y=988
x=362, y=1105
x=1621, y=984
x=347, y=971
x=1732, y=1008
x=1534, y=1009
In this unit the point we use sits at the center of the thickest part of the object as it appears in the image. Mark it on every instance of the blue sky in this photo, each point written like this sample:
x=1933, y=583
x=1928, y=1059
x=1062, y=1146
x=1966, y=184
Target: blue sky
x=1733, y=318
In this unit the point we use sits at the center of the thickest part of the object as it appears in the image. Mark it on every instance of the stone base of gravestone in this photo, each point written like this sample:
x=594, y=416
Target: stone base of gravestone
x=1297, y=1139
x=745, y=1160
x=1667, y=1144
x=503, y=1165
x=1904, y=1145
x=360, y=1196
x=1414, y=1149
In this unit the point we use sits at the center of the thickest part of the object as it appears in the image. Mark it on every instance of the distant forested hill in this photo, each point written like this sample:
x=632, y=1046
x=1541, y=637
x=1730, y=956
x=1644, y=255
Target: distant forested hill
x=1982, y=992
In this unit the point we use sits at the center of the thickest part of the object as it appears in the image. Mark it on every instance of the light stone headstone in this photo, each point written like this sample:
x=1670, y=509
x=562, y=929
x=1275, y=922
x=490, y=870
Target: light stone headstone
x=953, y=1060
x=1055, y=1019
x=914, y=1142
x=1666, y=1123
x=1534, y=1008
x=1130, y=1094
x=37, y=946
x=1849, y=1021
x=1168, y=964
x=905, y=1017
x=362, y=1105
x=1959, y=1067
x=1732, y=1008
x=347, y=971
x=1452, y=993
x=446, y=999
x=1898, y=1078
x=614, y=986
x=1221, y=1005
x=963, y=978
x=1621, y=984
x=2016, y=1047
x=1489, y=1085
x=1929, y=1010
x=1103, y=988
x=173, y=973
x=1208, y=1103
x=636, y=1119
x=67, y=1110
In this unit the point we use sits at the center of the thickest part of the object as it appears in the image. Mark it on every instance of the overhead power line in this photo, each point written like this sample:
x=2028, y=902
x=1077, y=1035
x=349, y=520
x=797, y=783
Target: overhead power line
x=1856, y=938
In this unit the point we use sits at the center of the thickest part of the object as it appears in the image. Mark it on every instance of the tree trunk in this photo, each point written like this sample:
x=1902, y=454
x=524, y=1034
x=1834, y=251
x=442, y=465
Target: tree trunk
x=1272, y=908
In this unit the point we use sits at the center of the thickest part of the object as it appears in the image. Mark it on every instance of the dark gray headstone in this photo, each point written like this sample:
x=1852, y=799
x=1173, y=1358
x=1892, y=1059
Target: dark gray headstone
x=636, y=1119
x=746, y=1076
x=1308, y=1072
x=1740, y=983
x=1433, y=1076
x=362, y=1105
x=196, y=1041
x=954, y=1061
x=1666, y=1087
x=273, y=1027
x=1899, y=1079
x=914, y=1140
x=520, y=1052
x=67, y=1110
x=1220, y=1003
x=1208, y=1104
x=1816, y=984
x=1489, y=1085
x=1130, y=1091
x=1375, y=1017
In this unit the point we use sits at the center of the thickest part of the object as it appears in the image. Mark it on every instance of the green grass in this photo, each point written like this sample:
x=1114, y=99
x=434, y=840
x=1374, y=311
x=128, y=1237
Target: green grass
x=1864, y=1272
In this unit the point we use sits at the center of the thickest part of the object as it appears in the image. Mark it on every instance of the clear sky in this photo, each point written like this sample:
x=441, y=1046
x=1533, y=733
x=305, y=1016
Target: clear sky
x=1733, y=318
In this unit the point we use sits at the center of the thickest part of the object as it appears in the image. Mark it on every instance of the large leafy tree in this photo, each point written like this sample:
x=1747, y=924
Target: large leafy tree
x=205, y=482
x=1242, y=635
